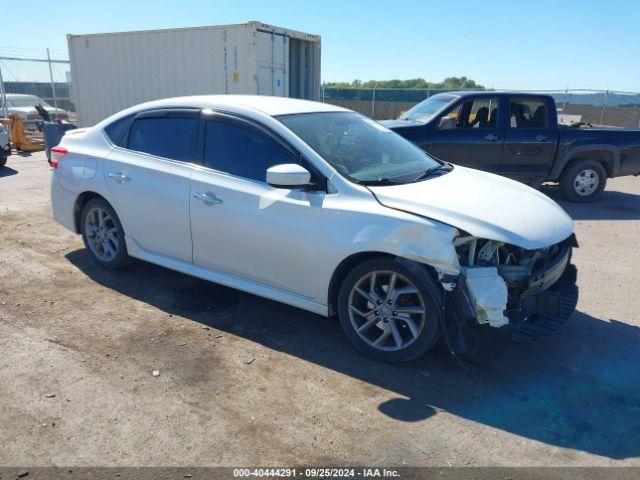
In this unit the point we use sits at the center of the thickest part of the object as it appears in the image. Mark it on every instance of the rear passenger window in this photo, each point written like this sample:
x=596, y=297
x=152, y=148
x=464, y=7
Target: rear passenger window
x=117, y=130
x=242, y=150
x=168, y=137
x=528, y=113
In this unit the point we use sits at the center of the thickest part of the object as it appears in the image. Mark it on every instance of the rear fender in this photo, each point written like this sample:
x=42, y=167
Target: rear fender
x=575, y=152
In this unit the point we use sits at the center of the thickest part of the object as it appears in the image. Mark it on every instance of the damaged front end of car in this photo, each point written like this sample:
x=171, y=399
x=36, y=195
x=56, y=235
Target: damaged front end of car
x=533, y=292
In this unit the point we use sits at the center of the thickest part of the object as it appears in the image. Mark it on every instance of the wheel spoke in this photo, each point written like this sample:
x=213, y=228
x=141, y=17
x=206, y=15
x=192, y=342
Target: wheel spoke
x=382, y=338
x=372, y=284
x=367, y=325
x=370, y=298
x=396, y=333
x=409, y=309
x=402, y=291
x=108, y=248
x=361, y=313
x=410, y=323
x=114, y=240
x=391, y=287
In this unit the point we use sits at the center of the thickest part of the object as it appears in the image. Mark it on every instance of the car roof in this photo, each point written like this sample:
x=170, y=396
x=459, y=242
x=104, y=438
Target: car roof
x=489, y=93
x=266, y=104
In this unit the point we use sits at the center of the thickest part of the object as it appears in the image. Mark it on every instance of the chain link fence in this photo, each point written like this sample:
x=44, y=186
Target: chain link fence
x=43, y=73
x=614, y=108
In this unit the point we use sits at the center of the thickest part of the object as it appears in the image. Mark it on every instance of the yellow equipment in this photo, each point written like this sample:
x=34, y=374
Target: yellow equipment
x=19, y=139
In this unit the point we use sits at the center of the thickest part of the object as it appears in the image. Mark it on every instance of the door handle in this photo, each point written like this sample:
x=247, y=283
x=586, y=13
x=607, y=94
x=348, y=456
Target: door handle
x=491, y=137
x=208, y=198
x=541, y=138
x=119, y=177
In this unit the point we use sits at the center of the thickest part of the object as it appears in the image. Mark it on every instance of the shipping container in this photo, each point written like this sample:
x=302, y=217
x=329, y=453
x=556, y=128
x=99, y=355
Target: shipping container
x=113, y=71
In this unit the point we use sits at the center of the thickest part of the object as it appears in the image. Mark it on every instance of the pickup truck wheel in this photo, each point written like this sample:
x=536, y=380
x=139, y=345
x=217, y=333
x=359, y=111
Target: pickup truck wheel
x=583, y=181
x=103, y=235
x=389, y=309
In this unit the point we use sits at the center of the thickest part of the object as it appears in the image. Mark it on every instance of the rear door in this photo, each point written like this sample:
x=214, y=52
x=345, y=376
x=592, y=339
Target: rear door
x=148, y=179
x=531, y=137
x=470, y=133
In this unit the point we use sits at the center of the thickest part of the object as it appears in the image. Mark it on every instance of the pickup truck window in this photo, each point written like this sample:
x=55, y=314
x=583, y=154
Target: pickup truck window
x=425, y=110
x=527, y=112
x=478, y=113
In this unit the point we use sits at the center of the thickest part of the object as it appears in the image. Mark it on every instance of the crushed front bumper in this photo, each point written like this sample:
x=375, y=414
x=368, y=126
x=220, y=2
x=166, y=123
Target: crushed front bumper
x=544, y=312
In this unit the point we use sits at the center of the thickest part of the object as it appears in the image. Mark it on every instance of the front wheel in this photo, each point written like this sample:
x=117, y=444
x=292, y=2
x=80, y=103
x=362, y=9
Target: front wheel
x=390, y=309
x=103, y=235
x=583, y=181
x=3, y=161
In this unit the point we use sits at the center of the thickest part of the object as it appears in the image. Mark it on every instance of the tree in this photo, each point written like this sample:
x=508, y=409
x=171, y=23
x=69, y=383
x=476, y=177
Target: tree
x=447, y=83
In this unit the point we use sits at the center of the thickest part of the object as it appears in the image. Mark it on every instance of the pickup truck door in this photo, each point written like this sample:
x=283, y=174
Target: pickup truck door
x=470, y=133
x=531, y=137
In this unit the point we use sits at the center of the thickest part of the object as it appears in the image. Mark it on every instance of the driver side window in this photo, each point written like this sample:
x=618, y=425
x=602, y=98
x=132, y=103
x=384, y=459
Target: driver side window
x=481, y=112
x=242, y=150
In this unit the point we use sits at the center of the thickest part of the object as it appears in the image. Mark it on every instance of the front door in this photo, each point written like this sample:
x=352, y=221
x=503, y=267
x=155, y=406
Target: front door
x=243, y=227
x=469, y=134
x=148, y=181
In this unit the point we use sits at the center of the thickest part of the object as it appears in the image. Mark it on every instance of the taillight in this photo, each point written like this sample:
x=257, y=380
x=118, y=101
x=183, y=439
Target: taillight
x=56, y=155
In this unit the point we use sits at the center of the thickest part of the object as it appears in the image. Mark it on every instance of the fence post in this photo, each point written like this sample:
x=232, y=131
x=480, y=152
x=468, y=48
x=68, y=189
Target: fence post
x=604, y=105
x=373, y=103
x=53, y=88
x=3, y=93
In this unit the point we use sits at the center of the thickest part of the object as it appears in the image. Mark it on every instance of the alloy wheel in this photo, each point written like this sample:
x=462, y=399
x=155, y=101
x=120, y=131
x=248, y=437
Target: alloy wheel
x=102, y=234
x=386, y=310
x=586, y=182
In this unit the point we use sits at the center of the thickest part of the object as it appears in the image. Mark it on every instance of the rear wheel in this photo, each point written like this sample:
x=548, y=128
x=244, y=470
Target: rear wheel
x=103, y=234
x=583, y=181
x=3, y=161
x=390, y=309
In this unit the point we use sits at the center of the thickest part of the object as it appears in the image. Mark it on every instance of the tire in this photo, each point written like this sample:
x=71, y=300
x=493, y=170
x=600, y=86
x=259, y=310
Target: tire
x=3, y=161
x=356, y=312
x=583, y=181
x=106, y=244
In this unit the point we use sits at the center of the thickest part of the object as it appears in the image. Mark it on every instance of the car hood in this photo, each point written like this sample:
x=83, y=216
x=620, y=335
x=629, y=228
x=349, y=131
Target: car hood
x=31, y=110
x=396, y=124
x=483, y=205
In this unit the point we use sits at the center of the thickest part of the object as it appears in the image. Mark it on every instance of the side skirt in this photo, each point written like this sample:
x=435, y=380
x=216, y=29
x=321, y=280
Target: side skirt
x=215, y=276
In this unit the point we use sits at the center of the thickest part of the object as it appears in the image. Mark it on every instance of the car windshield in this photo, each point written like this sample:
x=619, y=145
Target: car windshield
x=28, y=101
x=360, y=148
x=425, y=110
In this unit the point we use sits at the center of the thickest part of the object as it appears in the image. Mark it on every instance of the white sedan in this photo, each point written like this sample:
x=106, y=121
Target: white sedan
x=25, y=106
x=321, y=208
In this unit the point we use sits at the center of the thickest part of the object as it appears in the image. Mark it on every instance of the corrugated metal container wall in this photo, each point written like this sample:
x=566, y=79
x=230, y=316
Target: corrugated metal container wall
x=114, y=71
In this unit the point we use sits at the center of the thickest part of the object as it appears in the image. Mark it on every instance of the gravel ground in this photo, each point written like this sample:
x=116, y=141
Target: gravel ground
x=246, y=381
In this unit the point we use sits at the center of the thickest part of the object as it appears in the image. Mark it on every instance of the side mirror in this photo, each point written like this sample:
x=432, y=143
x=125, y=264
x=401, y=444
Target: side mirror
x=288, y=175
x=447, y=123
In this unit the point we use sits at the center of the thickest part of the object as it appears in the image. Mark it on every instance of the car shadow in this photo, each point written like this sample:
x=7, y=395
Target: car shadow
x=577, y=389
x=611, y=205
x=7, y=171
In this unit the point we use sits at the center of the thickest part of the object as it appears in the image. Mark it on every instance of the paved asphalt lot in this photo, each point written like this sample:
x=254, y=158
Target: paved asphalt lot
x=246, y=381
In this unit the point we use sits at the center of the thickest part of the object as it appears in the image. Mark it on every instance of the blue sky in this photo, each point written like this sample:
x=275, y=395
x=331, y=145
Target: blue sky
x=504, y=44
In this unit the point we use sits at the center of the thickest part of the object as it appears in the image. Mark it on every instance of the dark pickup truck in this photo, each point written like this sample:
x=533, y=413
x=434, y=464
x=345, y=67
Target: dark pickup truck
x=517, y=135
